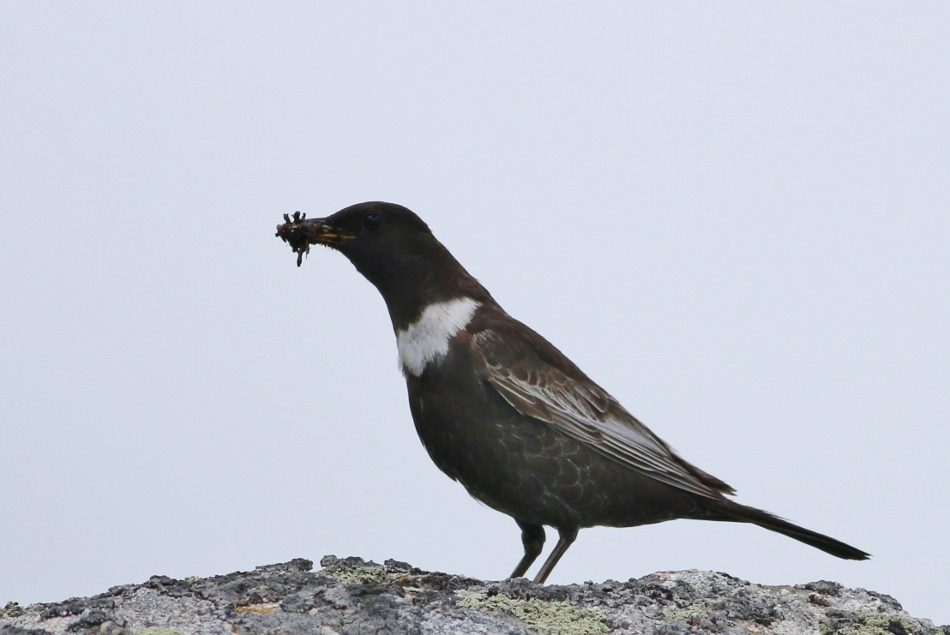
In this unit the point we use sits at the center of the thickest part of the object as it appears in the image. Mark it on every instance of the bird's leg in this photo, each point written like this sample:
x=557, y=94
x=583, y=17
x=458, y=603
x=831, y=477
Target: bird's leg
x=566, y=536
x=532, y=537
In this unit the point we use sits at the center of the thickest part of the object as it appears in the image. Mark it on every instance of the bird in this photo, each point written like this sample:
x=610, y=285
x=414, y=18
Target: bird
x=502, y=411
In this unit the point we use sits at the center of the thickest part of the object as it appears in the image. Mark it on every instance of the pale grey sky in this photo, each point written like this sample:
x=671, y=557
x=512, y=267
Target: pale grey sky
x=735, y=217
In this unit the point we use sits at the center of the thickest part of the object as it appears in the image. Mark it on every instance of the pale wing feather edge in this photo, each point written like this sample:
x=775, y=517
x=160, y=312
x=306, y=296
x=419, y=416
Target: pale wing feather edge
x=570, y=407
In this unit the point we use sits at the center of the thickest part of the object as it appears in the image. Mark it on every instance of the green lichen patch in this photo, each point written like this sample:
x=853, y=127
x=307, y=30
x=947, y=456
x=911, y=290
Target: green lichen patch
x=871, y=624
x=879, y=624
x=691, y=614
x=369, y=573
x=157, y=630
x=12, y=609
x=548, y=617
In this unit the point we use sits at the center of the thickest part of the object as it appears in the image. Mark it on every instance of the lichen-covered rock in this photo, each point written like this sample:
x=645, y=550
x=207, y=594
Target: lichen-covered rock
x=351, y=595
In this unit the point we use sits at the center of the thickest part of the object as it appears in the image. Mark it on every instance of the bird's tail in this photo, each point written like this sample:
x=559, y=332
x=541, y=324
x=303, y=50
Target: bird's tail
x=730, y=511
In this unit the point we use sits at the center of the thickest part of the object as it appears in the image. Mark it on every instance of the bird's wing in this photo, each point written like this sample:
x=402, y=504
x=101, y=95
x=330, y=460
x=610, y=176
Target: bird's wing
x=522, y=372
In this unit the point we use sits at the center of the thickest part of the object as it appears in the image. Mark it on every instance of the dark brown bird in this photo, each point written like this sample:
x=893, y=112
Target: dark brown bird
x=505, y=413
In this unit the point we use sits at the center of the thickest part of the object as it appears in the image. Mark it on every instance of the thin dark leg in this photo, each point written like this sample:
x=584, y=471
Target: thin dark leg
x=532, y=537
x=566, y=536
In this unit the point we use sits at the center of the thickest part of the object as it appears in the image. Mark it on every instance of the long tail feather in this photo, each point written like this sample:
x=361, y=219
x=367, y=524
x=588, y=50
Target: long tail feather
x=734, y=512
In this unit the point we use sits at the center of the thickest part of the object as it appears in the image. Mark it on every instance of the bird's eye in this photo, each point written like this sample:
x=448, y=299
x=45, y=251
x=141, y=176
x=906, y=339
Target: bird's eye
x=371, y=222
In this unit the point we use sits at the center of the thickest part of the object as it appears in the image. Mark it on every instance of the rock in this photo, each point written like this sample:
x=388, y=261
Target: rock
x=352, y=596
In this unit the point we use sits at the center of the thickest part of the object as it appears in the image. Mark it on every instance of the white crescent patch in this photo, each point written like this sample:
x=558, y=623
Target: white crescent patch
x=427, y=339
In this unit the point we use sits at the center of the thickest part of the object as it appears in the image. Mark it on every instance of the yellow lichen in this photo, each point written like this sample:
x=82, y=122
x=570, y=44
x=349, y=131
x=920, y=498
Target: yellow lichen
x=549, y=617
x=259, y=609
x=158, y=630
x=877, y=624
x=691, y=614
x=366, y=574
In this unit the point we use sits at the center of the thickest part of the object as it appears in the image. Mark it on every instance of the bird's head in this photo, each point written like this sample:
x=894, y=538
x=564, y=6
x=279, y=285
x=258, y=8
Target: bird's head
x=375, y=236
x=392, y=247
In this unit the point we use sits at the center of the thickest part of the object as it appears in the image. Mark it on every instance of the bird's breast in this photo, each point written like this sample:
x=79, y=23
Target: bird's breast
x=474, y=436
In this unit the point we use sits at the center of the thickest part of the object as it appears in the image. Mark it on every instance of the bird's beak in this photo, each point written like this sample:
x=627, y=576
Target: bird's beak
x=300, y=232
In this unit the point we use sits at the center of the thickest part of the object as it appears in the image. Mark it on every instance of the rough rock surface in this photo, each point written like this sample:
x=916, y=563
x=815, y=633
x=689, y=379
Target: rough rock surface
x=353, y=596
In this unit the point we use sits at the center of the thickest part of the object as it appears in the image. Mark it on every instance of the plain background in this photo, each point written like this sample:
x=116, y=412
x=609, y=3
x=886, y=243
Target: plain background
x=735, y=217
